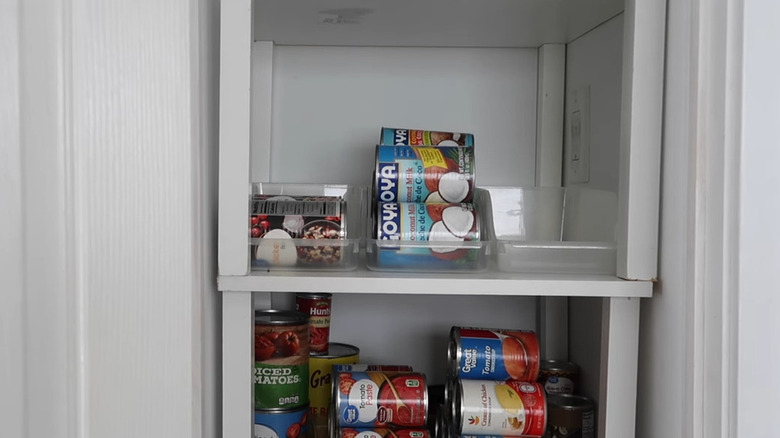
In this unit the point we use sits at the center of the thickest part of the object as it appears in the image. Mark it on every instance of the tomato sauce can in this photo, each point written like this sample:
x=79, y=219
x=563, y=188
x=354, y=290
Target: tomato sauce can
x=278, y=224
x=281, y=374
x=289, y=423
x=493, y=354
x=347, y=432
x=317, y=306
x=372, y=367
x=489, y=407
x=418, y=137
x=558, y=376
x=321, y=382
x=424, y=174
x=570, y=416
x=377, y=399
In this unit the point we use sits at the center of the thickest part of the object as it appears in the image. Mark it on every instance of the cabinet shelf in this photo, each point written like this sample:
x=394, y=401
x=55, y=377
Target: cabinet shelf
x=484, y=283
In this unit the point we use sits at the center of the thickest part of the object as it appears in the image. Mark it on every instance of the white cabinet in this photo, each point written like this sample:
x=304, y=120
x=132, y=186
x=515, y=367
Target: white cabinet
x=304, y=89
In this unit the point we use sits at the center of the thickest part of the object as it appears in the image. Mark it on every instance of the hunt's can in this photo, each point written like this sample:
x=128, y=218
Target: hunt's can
x=348, y=432
x=321, y=381
x=570, y=416
x=372, y=367
x=493, y=354
x=278, y=223
x=418, y=137
x=377, y=399
x=558, y=376
x=317, y=306
x=288, y=423
x=281, y=360
x=424, y=174
x=489, y=407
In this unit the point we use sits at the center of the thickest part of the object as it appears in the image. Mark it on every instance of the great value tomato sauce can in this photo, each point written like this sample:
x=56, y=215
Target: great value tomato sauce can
x=493, y=354
x=281, y=375
x=424, y=174
x=290, y=423
x=321, y=381
x=348, y=432
x=489, y=407
x=377, y=399
x=317, y=306
x=418, y=137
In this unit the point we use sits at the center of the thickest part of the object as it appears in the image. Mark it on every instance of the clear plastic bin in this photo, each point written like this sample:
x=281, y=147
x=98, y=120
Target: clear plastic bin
x=306, y=226
x=553, y=229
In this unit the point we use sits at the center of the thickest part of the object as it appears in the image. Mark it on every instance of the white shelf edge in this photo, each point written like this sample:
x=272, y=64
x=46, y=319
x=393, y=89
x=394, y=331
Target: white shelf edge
x=488, y=283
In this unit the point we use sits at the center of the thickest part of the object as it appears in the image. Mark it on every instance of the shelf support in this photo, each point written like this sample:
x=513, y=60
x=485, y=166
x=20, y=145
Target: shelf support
x=619, y=362
x=237, y=364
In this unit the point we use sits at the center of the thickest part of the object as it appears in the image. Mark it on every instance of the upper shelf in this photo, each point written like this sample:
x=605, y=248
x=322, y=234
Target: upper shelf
x=433, y=23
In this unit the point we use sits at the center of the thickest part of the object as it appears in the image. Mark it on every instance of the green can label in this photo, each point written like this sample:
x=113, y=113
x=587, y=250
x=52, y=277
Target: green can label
x=280, y=386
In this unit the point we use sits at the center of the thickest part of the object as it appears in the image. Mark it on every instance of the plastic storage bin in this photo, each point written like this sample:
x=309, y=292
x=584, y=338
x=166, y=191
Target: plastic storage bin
x=553, y=229
x=305, y=226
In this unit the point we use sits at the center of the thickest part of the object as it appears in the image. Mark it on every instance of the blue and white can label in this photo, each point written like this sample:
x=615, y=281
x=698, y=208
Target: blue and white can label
x=424, y=174
x=493, y=354
x=281, y=424
x=418, y=137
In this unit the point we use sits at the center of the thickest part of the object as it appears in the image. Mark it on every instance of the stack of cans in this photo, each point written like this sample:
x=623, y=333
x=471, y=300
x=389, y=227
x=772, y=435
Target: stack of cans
x=423, y=188
x=491, y=388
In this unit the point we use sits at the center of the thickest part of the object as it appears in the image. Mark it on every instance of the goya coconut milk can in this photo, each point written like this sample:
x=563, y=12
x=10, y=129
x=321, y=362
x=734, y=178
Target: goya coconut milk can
x=424, y=174
x=418, y=137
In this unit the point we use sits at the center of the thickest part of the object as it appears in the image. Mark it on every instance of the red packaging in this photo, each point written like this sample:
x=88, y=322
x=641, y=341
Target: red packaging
x=317, y=306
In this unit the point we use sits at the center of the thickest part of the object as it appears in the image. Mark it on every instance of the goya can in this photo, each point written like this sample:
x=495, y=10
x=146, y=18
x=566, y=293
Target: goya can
x=321, y=379
x=278, y=223
x=418, y=137
x=317, y=306
x=493, y=354
x=281, y=359
x=347, y=432
x=377, y=399
x=558, y=376
x=424, y=174
x=291, y=423
x=372, y=367
x=489, y=407
x=570, y=416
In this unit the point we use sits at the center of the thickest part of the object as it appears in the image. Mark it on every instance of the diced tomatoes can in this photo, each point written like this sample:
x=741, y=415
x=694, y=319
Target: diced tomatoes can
x=489, y=407
x=493, y=354
x=570, y=415
x=317, y=306
x=419, y=137
x=288, y=423
x=321, y=382
x=377, y=399
x=281, y=347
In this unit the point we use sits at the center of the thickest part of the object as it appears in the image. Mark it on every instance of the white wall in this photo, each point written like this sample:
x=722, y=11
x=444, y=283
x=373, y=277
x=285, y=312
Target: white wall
x=758, y=391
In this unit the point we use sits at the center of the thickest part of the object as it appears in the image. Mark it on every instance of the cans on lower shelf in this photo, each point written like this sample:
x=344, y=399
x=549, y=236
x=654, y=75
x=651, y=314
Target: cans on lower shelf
x=321, y=382
x=367, y=399
x=288, y=423
x=493, y=354
x=569, y=416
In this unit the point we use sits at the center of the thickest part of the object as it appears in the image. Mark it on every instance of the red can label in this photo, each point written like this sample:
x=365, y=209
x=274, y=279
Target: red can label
x=317, y=306
x=494, y=354
x=502, y=408
x=382, y=433
x=376, y=399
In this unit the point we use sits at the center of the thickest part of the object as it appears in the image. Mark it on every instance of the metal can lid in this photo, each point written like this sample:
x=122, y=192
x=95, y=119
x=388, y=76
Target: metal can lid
x=280, y=317
x=314, y=296
x=570, y=402
x=453, y=352
x=558, y=365
x=259, y=413
x=336, y=350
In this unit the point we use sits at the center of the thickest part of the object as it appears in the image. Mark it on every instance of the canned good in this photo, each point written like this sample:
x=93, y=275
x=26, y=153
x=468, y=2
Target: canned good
x=493, y=354
x=424, y=174
x=371, y=367
x=346, y=432
x=558, y=376
x=487, y=407
x=281, y=359
x=321, y=381
x=417, y=137
x=290, y=423
x=317, y=306
x=377, y=399
x=275, y=220
x=570, y=416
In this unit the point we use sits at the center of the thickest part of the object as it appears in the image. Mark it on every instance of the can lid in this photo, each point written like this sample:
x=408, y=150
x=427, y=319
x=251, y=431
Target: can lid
x=315, y=295
x=570, y=402
x=558, y=365
x=280, y=317
x=336, y=349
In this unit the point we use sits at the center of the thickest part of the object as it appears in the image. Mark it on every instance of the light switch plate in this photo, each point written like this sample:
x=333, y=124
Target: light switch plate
x=578, y=136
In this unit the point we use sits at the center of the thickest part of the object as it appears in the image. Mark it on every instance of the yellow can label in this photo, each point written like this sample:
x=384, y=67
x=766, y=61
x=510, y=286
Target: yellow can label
x=431, y=157
x=321, y=382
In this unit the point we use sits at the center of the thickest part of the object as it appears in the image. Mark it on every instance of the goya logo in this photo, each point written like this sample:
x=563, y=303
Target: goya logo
x=388, y=182
x=390, y=222
x=401, y=137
